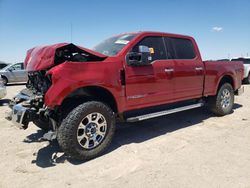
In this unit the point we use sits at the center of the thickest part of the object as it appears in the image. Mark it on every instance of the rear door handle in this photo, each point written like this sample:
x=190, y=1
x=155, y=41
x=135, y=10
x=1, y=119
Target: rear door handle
x=198, y=68
x=168, y=70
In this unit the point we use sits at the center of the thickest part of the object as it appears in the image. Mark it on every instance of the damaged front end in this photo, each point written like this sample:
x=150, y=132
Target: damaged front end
x=28, y=105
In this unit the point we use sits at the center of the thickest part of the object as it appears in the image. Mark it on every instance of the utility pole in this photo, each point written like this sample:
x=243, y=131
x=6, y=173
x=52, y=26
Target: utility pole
x=71, y=28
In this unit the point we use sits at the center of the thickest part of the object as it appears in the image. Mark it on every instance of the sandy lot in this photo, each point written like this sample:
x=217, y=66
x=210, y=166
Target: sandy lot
x=188, y=149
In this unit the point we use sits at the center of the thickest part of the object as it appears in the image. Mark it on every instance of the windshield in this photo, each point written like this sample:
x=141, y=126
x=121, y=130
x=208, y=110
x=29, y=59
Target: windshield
x=245, y=61
x=114, y=45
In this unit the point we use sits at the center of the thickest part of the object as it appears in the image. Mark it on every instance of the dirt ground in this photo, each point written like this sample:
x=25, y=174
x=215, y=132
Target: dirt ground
x=187, y=149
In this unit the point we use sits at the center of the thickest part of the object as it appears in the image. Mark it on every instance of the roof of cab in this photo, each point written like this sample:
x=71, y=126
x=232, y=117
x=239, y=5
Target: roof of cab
x=162, y=33
x=155, y=33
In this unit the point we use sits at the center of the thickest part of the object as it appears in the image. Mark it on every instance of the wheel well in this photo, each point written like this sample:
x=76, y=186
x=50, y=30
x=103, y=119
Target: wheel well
x=91, y=93
x=226, y=79
x=3, y=76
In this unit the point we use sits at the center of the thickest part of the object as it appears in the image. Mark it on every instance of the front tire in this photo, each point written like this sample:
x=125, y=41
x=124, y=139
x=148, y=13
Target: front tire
x=222, y=103
x=87, y=130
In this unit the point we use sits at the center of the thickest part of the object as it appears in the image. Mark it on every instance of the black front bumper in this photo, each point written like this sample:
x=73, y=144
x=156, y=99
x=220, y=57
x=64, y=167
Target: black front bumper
x=19, y=116
x=20, y=113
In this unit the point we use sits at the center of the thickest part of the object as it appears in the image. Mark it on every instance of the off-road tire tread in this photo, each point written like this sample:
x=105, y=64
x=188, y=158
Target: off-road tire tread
x=66, y=133
x=214, y=102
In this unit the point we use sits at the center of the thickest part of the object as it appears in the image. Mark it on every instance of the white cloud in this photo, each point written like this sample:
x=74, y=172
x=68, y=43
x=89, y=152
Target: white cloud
x=217, y=29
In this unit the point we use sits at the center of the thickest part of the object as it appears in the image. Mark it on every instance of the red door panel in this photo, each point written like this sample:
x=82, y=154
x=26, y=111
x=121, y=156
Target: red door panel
x=149, y=85
x=188, y=72
x=188, y=79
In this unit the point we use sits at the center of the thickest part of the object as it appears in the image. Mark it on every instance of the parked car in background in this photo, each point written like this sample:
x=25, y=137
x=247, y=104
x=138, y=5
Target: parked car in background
x=14, y=73
x=2, y=64
x=2, y=89
x=246, y=62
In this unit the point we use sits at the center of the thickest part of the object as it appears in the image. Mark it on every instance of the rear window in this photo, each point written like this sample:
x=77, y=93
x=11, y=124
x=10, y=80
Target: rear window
x=181, y=48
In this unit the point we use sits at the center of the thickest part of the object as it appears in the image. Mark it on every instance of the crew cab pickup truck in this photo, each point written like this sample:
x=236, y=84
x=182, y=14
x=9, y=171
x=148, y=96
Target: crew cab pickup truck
x=79, y=94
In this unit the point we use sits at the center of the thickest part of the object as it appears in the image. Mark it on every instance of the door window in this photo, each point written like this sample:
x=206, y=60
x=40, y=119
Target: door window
x=156, y=46
x=179, y=48
x=17, y=67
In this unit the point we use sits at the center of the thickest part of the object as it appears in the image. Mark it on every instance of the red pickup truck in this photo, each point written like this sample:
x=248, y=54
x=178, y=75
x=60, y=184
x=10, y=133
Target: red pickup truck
x=79, y=94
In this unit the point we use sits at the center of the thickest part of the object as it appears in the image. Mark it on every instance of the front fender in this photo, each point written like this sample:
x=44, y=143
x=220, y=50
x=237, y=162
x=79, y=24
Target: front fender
x=70, y=76
x=61, y=90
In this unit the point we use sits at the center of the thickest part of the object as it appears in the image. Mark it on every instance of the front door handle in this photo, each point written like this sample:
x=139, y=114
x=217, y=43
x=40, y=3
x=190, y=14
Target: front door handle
x=198, y=68
x=168, y=70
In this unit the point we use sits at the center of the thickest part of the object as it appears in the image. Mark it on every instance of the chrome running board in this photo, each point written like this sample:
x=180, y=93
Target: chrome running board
x=163, y=113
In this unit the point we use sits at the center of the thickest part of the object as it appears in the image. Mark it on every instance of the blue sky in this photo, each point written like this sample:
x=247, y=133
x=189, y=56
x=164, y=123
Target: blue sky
x=220, y=27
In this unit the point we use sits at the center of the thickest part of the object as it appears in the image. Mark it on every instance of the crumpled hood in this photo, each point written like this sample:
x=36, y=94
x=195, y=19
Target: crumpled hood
x=43, y=57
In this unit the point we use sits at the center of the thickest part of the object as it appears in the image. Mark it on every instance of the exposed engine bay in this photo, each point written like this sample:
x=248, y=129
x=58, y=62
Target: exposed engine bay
x=38, y=82
x=73, y=53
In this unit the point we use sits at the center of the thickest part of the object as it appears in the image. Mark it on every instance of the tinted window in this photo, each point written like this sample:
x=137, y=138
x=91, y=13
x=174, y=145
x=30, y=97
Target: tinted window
x=170, y=48
x=180, y=48
x=156, y=46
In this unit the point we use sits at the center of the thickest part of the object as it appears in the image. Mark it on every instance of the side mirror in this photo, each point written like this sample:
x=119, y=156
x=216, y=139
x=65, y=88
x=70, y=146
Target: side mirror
x=10, y=69
x=141, y=58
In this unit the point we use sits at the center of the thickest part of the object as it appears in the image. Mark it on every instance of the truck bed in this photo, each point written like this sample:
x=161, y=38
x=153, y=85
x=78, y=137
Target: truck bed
x=217, y=69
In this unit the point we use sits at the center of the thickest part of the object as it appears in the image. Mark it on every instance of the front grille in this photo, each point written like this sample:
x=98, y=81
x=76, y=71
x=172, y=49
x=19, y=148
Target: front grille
x=38, y=83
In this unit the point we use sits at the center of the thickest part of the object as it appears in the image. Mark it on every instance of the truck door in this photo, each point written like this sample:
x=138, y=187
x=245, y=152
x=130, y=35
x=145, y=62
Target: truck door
x=150, y=84
x=188, y=72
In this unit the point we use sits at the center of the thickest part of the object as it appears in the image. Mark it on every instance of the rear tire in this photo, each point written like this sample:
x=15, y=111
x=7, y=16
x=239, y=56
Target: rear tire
x=87, y=130
x=222, y=103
